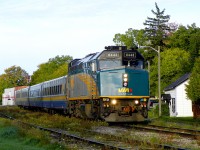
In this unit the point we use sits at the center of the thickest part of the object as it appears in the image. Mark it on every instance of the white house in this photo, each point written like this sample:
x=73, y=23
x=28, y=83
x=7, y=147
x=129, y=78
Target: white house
x=8, y=97
x=180, y=105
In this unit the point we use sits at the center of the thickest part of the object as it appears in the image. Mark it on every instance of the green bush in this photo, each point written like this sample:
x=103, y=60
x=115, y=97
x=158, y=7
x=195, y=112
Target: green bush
x=165, y=110
x=154, y=112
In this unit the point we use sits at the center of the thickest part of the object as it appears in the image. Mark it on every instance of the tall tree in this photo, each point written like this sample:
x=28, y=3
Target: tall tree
x=156, y=28
x=54, y=68
x=193, y=88
x=173, y=65
x=188, y=39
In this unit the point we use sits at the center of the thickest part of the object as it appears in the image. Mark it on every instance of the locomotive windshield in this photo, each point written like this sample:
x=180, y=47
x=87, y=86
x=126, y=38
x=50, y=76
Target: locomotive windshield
x=106, y=64
x=112, y=59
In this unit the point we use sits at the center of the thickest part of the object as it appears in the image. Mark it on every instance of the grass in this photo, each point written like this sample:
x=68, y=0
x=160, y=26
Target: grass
x=180, y=122
x=186, y=120
x=153, y=112
x=14, y=137
x=35, y=139
x=74, y=124
x=51, y=121
x=165, y=119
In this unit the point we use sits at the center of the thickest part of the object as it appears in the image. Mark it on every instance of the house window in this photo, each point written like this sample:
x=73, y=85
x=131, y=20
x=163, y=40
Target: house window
x=173, y=105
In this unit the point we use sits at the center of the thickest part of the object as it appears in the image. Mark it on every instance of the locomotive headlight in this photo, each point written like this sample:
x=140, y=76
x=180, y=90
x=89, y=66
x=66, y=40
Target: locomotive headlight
x=125, y=80
x=136, y=102
x=125, y=75
x=114, y=102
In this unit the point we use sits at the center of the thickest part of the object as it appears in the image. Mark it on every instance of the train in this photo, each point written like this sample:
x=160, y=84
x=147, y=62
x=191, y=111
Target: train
x=111, y=85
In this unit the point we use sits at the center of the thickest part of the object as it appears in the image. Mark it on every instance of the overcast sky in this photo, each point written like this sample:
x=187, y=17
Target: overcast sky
x=32, y=31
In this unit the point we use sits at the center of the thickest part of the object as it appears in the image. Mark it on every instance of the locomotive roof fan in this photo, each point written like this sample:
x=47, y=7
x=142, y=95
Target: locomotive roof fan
x=115, y=47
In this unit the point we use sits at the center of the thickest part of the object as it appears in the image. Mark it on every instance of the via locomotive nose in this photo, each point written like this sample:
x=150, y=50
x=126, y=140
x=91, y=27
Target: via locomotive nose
x=124, y=82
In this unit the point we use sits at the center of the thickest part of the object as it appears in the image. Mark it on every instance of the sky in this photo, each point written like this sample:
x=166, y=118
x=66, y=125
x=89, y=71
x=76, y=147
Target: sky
x=33, y=31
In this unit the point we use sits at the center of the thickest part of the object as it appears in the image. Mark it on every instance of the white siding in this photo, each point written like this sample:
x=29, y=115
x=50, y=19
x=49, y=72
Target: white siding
x=183, y=106
x=8, y=97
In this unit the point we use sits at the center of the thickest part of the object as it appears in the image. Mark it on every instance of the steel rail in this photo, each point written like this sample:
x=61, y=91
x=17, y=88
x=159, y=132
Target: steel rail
x=171, y=130
x=155, y=145
x=92, y=141
x=65, y=133
x=176, y=128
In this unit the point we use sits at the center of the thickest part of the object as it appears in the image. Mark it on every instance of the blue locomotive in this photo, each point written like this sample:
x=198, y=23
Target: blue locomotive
x=111, y=85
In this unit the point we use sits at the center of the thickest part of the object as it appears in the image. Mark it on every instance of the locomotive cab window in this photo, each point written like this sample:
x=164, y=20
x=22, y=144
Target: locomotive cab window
x=136, y=64
x=106, y=64
x=93, y=66
x=110, y=59
x=140, y=64
x=133, y=59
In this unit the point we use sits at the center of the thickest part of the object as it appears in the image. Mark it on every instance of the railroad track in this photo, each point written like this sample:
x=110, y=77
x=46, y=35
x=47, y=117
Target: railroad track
x=118, y=144
x=63, y=134
x=171, y=130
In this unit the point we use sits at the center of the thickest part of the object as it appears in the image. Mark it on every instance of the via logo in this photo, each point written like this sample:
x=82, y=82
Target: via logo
x=125, y=90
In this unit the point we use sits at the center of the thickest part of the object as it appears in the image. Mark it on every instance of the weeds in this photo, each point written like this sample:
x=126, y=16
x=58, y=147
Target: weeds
x=51, y=121
x=35, y=137
x=15, y=136
x=8, y=132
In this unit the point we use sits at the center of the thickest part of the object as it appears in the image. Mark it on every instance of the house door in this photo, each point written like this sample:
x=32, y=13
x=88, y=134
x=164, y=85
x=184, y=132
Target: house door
x=173, y=107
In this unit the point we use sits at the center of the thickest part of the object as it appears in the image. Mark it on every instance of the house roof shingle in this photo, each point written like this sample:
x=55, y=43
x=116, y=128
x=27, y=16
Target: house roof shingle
x=177, y=82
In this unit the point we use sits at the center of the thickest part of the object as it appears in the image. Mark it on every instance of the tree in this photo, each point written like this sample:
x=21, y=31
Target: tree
x=3, y=84
x=132, y=38
x=157, y=27
x=61, y=71
x=13, y=76
x=54, y=68
x=188, y=39
x=173, y=27
x=194, y=46
x=193, y=87
x=16, y=76
x=174, y=63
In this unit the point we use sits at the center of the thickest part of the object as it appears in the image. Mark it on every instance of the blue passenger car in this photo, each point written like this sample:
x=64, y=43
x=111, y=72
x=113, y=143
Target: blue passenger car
x=35, y=97
x=54, y=94
x=22, y=98
x=50, y=95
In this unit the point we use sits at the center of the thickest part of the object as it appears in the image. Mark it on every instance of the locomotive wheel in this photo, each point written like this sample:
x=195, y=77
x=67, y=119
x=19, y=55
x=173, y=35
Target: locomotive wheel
x=145, y=112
